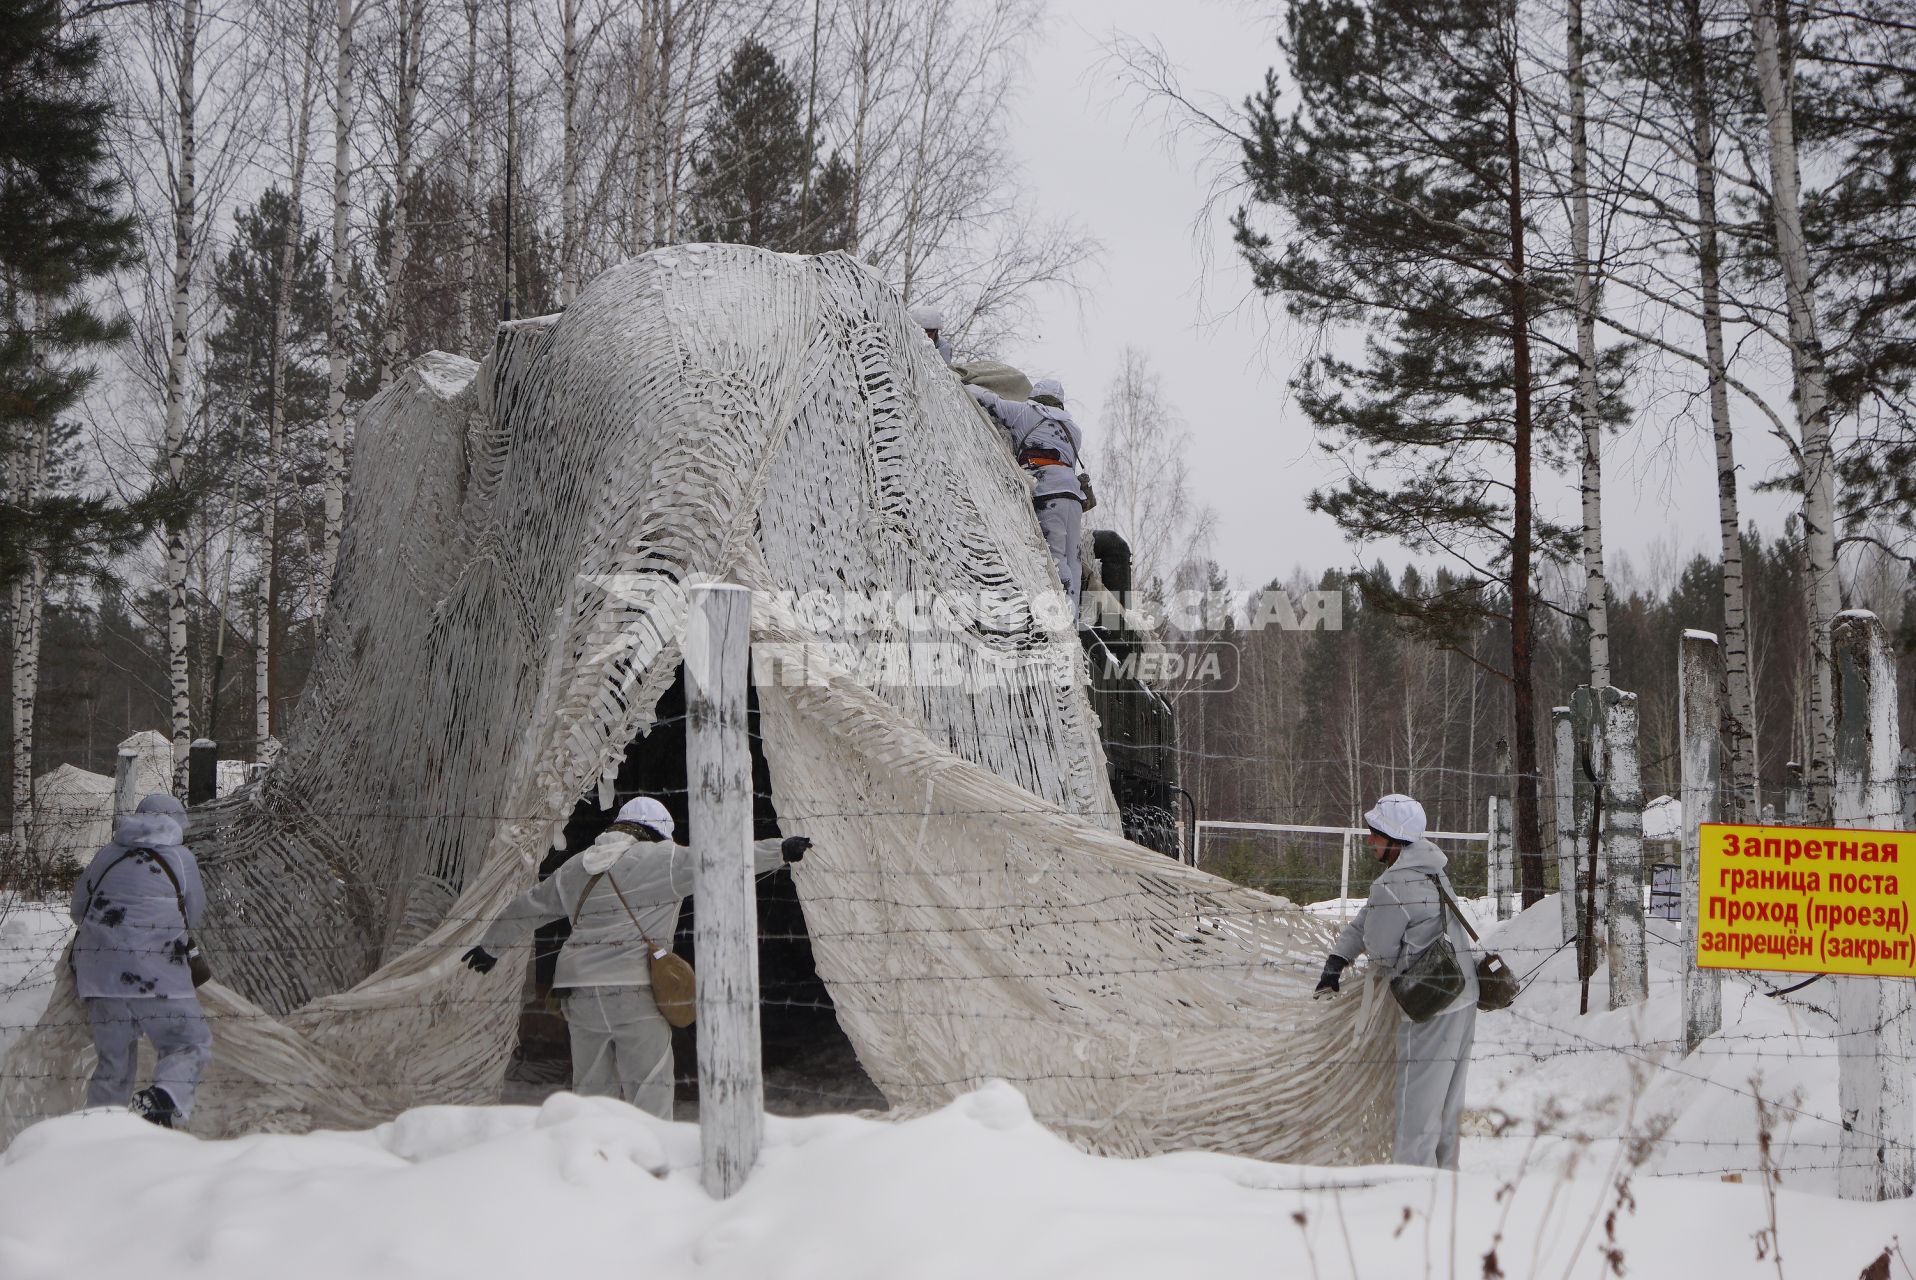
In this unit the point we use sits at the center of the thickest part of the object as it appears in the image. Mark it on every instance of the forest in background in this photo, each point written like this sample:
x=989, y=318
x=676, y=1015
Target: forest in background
x=1513, y=228
x=1324, y=722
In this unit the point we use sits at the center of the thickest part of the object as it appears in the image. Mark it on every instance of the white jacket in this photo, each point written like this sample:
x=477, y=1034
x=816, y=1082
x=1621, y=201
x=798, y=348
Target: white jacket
x=606, y=948
x=1404, y=915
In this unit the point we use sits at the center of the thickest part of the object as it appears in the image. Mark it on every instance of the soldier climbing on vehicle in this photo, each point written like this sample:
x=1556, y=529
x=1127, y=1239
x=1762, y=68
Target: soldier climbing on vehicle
x=1048, y=444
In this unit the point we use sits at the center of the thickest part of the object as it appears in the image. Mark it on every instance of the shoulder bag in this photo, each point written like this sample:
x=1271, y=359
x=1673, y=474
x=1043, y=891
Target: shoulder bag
x=1496, y=985
x=196, y=962
x=674, y=985
x=1426, y=986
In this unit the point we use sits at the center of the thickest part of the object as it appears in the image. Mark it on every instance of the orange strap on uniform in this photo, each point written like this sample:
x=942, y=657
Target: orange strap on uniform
x=1042, y=460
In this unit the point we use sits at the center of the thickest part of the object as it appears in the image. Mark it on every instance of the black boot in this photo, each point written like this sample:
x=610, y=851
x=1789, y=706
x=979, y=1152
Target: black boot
x=155, y=1104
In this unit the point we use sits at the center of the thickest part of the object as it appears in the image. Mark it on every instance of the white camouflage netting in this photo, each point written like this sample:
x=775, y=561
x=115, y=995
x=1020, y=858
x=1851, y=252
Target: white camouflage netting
x=504, y=621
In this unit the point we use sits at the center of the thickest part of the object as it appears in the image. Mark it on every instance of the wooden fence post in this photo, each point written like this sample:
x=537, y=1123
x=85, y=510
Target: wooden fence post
x=718, y=771
x=1623, y=848
x=1873, y=1015
x=1566, y=811
x=1700, y=723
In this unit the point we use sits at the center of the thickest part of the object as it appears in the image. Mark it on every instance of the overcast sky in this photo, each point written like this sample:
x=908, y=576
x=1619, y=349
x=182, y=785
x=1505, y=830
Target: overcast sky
x=1099, y=155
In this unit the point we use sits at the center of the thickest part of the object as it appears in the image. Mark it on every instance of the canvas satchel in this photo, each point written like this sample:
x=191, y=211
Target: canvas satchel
x=1497, y=986
x=1000, y=379
x=1426, y=986
x=674, y=985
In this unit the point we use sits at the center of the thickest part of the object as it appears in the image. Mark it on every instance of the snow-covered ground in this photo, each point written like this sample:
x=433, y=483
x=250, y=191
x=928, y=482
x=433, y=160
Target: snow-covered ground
x=33, y=936
x=1593, y=1148
x=1549, y=1085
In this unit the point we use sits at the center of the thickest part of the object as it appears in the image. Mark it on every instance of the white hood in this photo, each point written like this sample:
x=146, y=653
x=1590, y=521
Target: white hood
x=605, y=851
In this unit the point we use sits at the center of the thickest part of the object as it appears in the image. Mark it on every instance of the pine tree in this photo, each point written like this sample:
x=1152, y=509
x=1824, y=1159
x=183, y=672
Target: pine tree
x=60, y=228
x=271, y=288
x=749, y=177
x=1404, y=177
x=247, y=284
x=828, y=214
x=1856, y=98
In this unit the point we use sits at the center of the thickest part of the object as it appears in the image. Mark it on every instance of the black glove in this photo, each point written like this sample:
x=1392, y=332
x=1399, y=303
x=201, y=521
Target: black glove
x=794, y=847
x=480, y=960
x=1327, y=985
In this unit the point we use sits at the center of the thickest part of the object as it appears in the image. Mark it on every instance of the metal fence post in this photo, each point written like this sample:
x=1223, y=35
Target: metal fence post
x=1874, y=1018
x=725, y=920
x=202, y=771
x=1344, y=876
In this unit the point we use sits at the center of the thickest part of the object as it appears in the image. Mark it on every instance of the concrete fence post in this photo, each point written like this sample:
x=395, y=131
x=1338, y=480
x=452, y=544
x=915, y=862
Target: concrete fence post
x=1501, y=845
x=1873, y=1015
x=126, y=783
x=1623, y=848
x=1700, y=722
x=718, y=772
x=1906, y=783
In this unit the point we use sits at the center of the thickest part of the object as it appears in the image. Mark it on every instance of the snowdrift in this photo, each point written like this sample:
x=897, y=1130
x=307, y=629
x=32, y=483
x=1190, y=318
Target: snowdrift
x=592, y=1187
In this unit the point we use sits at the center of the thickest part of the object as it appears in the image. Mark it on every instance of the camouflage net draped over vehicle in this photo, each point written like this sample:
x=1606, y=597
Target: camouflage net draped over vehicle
x=510, y=591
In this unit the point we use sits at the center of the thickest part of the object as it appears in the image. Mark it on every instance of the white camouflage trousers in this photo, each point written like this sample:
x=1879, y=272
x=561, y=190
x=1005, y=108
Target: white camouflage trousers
x=1432, y=1060
x=180, y=1038
x=1061, y=519
x=621, y=1047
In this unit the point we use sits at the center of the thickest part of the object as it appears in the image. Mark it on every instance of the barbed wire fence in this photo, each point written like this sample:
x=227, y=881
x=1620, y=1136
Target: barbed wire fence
x=1825, y=1138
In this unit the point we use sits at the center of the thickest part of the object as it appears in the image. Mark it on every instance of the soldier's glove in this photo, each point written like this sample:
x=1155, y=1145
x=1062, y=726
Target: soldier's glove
x=480, y=960
x=1327, y=984
x=794, y=847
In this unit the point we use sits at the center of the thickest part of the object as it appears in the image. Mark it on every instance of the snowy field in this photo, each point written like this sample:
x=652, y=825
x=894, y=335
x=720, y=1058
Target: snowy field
x=1594, y=1148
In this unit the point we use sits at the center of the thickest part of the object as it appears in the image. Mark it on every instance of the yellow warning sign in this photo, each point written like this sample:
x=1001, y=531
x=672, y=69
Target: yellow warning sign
x=1806, y=900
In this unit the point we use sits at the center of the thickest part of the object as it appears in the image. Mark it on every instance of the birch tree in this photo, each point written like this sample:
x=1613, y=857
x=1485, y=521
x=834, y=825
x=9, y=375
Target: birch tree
x=178, y=666
x=298, y=151
x=1588, y=399
x=511, y=153
x=410, y=45
x=26, y=469
x=346, y=17
x=935, y=205
x=469, y=187
x=1811, y=389
x=1739, y=716
x=573, y=52
x=1141, y=478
